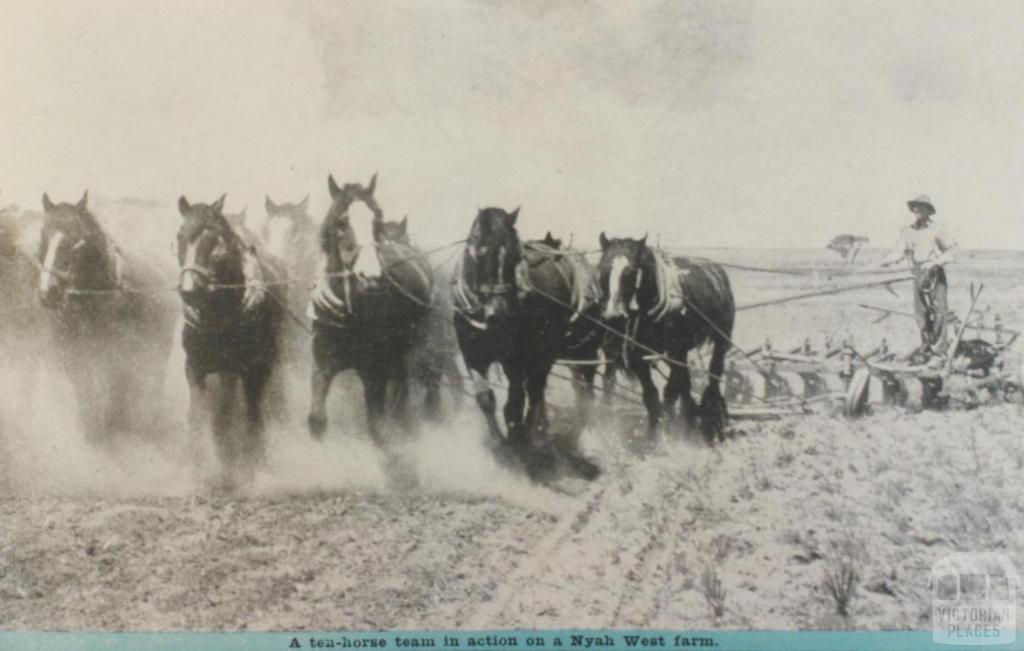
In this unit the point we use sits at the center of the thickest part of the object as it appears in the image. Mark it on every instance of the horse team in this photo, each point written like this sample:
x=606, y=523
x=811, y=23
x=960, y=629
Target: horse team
x=371, y=303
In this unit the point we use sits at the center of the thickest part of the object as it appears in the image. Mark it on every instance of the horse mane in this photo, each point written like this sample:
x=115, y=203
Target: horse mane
x=487, y=219
x=328, y=235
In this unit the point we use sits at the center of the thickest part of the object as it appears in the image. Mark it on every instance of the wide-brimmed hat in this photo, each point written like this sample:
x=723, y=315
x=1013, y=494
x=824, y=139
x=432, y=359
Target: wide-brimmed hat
x=922, y=200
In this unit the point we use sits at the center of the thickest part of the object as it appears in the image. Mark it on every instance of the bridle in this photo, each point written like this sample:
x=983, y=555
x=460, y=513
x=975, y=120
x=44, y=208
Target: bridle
x=502, y=286
x=66, y=276
x=205, y=272
x=634, y=306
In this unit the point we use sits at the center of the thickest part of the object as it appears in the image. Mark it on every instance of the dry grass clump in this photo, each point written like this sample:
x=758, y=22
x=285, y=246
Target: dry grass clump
x=713, y=590
x=842, y=575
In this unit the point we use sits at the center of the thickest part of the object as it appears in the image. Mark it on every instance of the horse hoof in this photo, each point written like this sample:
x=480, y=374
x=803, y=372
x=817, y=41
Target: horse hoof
x=317, y=426
x=584, y=467
x=504, y=454
x=540, y=465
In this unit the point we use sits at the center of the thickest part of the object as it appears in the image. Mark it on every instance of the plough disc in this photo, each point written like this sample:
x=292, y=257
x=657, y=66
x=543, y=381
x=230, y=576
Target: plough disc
x=857, y=393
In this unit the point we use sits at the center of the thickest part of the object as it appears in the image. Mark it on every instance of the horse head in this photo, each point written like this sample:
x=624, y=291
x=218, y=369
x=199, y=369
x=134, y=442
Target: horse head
x=239, y=224
x=73, y=252
x=210, y=254
x=288, y=229
x=493, y=251
x=627, y=275
x=388, y=232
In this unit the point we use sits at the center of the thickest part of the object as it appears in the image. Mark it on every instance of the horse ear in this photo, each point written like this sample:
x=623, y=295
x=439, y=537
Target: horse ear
x=373, y=185
x=604, y=241
x=269, y=203
x=404, y=224
x=47, y=204
x=304, y=203
x=513, y=216
x=218, y=205
x=548, y=239
x=183, y=206
x=643, y=241
x=332, y=186
x=84, y=201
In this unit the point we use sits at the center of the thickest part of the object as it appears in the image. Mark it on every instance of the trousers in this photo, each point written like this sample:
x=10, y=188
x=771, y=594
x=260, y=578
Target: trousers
x=930, y=306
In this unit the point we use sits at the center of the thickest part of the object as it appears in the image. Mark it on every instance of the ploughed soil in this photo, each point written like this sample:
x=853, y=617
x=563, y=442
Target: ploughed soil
x=766, y=515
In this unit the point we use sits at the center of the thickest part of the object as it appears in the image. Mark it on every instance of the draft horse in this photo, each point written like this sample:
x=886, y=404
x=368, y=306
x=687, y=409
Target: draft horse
x=670, y=306
x=434, y=349
x=584, y=335
x=364, y=322
x=112, y=317
x=513, y=305
x=231, y=300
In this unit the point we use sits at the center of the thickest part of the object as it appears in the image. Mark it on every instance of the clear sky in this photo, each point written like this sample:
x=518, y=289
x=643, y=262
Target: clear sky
x=711, y=123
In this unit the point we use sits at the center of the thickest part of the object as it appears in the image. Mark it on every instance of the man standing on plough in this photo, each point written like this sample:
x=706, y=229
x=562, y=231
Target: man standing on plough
x=928, y=249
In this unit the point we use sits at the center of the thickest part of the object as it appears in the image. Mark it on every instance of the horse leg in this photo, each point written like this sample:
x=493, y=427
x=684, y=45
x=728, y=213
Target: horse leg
x=254, y=384
x=224, y=404
x=375, y=385
x=515, y=404
x=678, y=388
x=80, y=371
x=611, y=371
x=583, y=385
x=714, y=411
x=197, y=408
x=399, y=406
x=485, y=397
x=642, y=370
x=323, y=374
x=537, y=414
x=428, y=370
x=450, y=370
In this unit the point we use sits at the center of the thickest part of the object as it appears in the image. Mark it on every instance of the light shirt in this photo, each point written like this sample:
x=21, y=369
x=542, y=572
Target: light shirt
x=920, y=245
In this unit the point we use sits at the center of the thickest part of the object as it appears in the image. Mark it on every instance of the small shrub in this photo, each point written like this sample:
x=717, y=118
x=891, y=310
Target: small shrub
x=841, y=578
x=712, y=589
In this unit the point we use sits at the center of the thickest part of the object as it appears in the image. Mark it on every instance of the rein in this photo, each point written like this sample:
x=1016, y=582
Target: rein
x=254, y=286
x=68, y=277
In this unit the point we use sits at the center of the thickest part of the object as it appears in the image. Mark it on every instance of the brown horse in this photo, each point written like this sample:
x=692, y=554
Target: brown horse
x=112, y=314
x=670, y=307
x=514, y=304
x=364, y=322
x=232, y=301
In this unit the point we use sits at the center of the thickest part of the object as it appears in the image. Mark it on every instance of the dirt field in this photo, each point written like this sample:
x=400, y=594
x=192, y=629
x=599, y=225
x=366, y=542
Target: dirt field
x=134, y=534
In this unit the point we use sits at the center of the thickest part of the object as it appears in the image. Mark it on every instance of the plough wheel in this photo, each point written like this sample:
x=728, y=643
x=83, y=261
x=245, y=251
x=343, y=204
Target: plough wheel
x=795, y=384
x=756, y=386
x=857, y=393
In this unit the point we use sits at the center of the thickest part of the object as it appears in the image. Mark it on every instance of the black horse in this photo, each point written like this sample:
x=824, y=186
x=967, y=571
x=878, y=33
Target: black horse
x=670, y=307
x=434, y=350
x=364, y=322
x=514, y=306
x=584, y=336
x=232, y=301
x=113, y=318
